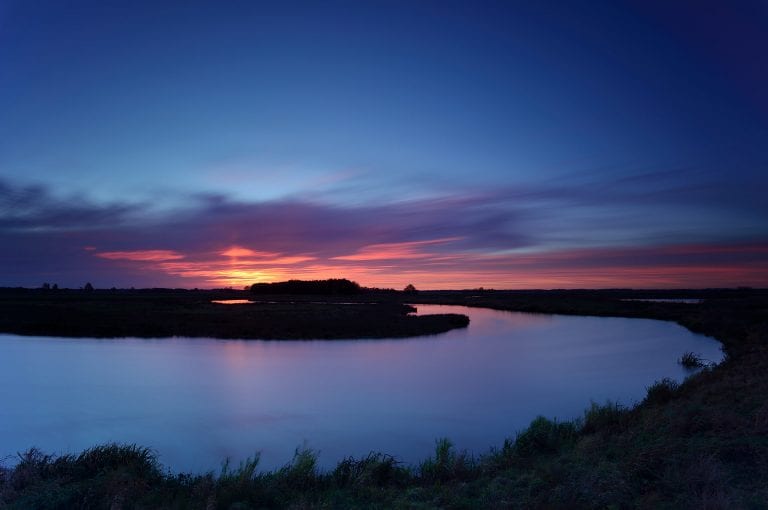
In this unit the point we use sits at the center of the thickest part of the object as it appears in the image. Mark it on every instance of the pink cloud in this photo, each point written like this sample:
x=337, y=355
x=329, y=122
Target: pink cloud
x=239, y=251
x=141, y=255
x=247, y=256
x=464, y=242
x=397, y=264
x=391, y=251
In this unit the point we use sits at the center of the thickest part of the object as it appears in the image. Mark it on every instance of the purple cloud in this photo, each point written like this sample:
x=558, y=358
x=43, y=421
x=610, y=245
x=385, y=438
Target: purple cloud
x=505, y=238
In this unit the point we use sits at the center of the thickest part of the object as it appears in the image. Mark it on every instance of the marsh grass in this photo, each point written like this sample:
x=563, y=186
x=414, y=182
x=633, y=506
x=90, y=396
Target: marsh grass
x=583, y=463
x=661, y=391
x=447, y=464
x=160, y=314
x=607, y=418
x=301, y=473
x=377, y=469
x=545, y=437
x=244, y=473
x=691, y=360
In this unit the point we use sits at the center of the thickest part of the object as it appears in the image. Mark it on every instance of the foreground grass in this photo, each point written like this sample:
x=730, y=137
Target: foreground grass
x=611, y=457
x=700, y=444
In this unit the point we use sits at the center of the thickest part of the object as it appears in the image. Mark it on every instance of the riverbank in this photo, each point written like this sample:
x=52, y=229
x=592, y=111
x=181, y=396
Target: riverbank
x=162, y=313
x=701, y=444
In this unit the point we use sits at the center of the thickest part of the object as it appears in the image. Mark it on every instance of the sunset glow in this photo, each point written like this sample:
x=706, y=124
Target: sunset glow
x=394, y=265
x=459, y=145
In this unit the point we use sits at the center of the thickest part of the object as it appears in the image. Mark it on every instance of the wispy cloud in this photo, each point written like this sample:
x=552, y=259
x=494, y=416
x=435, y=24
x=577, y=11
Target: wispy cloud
x=239, y=251
x=34, y=207
x=140, y=255
x=501, y=238
x=395, y=251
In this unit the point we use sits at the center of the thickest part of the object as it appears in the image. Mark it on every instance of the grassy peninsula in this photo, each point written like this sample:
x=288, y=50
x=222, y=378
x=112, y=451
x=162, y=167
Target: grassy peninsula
x=158, y=313
x=700, y=444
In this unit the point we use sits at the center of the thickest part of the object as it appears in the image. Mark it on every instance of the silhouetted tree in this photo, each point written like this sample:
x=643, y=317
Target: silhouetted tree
x=46, y=286
x=331, y=286
x=88, y=287
x=410, y=289
x=55, y=286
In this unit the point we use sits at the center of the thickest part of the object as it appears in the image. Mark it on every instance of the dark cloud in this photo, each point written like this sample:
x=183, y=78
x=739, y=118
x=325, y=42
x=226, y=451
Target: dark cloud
x=34, y=208
x=494, y=238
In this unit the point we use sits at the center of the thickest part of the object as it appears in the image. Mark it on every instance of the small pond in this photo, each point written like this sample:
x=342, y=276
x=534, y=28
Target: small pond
x=197, y=401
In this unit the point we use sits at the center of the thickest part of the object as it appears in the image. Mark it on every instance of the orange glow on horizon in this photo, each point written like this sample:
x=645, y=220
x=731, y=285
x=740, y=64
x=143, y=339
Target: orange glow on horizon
x=395, y=265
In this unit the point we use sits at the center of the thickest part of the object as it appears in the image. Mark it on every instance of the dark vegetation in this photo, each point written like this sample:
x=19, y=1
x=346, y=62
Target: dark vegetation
x=334, y=286
x=700, y=444
x=156, y=313
x=692, y=360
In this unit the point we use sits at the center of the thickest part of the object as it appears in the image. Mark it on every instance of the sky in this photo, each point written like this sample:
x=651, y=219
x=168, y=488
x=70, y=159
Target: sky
x=444, y=144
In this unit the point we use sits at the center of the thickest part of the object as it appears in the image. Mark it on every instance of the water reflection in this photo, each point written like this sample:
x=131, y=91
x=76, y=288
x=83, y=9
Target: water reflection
x=231, y=301
x=196, y=401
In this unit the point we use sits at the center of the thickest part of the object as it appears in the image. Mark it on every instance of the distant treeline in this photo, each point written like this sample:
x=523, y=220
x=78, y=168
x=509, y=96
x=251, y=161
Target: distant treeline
x=331, y=286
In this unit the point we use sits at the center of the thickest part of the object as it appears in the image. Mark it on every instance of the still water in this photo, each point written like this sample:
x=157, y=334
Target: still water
x=197, y=401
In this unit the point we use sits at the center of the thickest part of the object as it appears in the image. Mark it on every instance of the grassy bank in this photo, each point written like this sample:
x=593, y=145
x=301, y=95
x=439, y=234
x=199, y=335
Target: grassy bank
x=165, y=313
x=701, y=444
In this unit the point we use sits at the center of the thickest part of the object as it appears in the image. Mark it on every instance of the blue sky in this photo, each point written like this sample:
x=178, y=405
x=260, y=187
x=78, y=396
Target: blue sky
x=508, y=128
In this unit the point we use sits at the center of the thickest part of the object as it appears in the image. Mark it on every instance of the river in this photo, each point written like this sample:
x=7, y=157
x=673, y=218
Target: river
x=198, y=401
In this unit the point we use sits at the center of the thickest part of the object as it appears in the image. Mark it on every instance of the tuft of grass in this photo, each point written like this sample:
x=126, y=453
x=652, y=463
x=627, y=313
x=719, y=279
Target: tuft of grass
x=610, y=417
x=545, y=437
x=235, y=488
x=691, y=360
x=377, y=469
x=301, y=473
x=245, y=472
x=661, y=392
x=110, y=475
x=447, y=464
x=136, y=460
x=32, y=467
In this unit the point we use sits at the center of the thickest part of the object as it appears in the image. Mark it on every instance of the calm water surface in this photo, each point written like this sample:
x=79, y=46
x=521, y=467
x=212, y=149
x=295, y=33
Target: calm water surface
x=197, y=401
